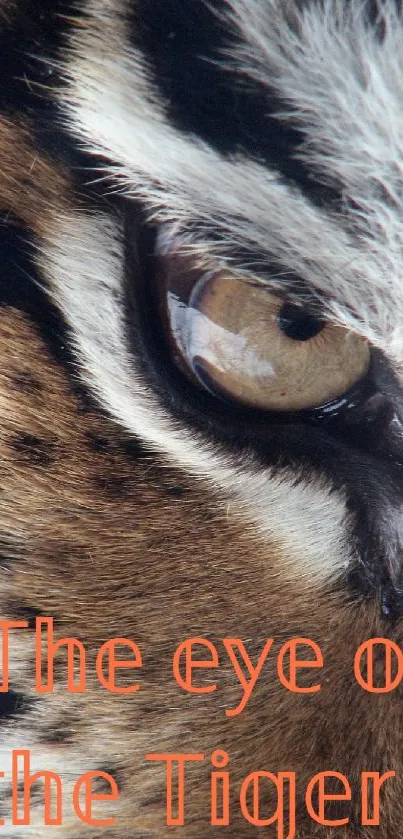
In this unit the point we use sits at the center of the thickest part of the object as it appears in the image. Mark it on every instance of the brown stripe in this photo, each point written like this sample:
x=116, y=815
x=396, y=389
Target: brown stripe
x=32, y=188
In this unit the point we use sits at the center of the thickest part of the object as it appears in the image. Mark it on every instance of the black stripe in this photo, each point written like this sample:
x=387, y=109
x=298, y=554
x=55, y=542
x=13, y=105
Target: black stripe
x=30, y=43
x=12, y=704
x=20, y=285
x=182, y=44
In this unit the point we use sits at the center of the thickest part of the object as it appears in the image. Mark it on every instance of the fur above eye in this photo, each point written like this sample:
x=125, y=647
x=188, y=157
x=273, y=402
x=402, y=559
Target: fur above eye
x=247, y=345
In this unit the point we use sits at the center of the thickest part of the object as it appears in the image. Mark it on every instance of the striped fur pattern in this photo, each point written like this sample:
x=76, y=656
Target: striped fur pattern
x=265, y=137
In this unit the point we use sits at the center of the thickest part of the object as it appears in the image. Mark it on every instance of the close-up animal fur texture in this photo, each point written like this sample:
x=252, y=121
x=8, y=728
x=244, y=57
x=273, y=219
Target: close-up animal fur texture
x=201, y=408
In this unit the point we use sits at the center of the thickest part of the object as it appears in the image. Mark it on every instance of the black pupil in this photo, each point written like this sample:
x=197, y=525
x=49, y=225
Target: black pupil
x=297, y=324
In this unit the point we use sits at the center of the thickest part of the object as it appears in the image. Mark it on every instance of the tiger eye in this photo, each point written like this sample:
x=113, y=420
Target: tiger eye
x=258, y=350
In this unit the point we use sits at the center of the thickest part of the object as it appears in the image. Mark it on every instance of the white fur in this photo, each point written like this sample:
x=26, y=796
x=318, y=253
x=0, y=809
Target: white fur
x=69, y=764
x=345, y=90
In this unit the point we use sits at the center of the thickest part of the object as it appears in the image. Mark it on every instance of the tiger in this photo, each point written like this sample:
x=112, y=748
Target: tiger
x=201, y=443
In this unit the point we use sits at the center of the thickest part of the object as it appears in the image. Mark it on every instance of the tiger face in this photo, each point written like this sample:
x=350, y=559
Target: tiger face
x=201, y=414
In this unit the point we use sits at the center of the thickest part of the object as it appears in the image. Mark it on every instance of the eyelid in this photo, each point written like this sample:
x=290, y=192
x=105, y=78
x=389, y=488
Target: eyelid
x=188, y=258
